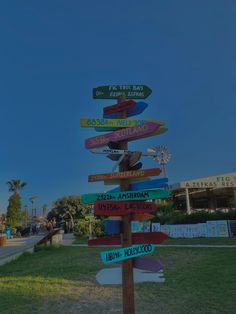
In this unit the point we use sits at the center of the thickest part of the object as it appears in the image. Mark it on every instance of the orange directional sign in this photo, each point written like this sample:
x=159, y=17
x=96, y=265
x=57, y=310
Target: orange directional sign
x=124, y=175
x=113, y=208
x=142, y=217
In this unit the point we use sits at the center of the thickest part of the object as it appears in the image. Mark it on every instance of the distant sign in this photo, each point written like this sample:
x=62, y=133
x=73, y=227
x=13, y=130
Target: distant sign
x=222, y=181
x=125, y=196
x=128, y=134
x=142, y=217
x=113, y=208
x=109, y=257
x=129, y=91
x=124, y=175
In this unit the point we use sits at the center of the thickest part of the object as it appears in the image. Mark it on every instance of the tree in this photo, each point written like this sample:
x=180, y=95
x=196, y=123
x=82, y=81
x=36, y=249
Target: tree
x=16, y=185
x=68, y=207
x=14, y=214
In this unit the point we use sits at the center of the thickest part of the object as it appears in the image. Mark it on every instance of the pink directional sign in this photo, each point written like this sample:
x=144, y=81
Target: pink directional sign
x=130, y=134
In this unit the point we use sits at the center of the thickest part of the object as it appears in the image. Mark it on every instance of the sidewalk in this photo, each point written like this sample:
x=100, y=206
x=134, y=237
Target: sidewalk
x=15, y=247
x=68, y=239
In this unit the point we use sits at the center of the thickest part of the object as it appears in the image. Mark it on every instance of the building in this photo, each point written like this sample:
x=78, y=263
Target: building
x=210, y=193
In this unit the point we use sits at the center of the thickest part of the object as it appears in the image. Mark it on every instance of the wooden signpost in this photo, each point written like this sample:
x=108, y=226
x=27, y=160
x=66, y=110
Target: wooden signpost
x=109, y=257
x=131, y=134
x=124, y=175
x=125, y=203
x=121, y=208
x=125, y=196
x=128, y=91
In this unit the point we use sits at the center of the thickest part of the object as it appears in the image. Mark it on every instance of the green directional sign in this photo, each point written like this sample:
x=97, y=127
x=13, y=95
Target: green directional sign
x=109, y=257
x=129, y=91
x=125, y=196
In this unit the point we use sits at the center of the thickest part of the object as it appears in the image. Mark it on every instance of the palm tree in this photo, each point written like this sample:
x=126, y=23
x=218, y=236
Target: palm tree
x=15, y=185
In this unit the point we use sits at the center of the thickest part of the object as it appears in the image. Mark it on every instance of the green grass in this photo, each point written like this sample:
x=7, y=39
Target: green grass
x=62, y=280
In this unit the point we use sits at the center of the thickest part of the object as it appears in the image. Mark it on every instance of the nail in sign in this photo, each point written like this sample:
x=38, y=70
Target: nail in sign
x=130, y=134
x=109, y=257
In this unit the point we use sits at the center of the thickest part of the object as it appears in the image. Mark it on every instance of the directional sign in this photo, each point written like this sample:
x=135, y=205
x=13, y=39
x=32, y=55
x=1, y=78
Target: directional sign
x=125, y=196
x=150, y=184
x=122, y=106
x=109, y=208
x=114, y=91
x=142, y=217
x=105, y=124
x=124, y=175
x=149, y=264
x=128, y=134
x=137, y=238
x=119, y=152
x=138, y=109
x=109, y=257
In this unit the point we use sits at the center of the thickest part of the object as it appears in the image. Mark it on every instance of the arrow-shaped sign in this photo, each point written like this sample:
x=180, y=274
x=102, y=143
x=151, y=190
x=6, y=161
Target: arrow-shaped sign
x=125, y=196
x=121, y=208
x=105, y=124
x=137, y=238
x=138, y=109
x=114, y=91
x=128, y=134
x=150, y=184
x=124, y=175
x=109, y=257
x=110, y=151
x=122, y=106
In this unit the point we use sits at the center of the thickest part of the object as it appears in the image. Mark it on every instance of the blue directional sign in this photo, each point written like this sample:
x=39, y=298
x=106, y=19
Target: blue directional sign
x=109, y=257
x=145, y=185
x=139, y=108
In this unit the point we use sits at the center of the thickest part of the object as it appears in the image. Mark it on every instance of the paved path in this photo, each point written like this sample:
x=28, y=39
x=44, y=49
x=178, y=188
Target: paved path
x=15, y=247
x=68, y=239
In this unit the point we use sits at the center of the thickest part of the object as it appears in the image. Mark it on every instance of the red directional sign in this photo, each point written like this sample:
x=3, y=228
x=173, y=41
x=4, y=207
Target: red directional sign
x=121, y=208
x=137, y=238
x=122, y=106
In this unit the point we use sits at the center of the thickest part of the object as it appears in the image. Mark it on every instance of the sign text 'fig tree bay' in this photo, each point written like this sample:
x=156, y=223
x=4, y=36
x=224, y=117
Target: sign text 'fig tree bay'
x=109, y=257
x=114, y=91
x=125, y=196
x=132, y=133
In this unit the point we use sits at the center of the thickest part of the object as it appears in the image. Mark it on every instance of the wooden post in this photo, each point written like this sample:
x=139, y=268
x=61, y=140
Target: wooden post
x=126, y=239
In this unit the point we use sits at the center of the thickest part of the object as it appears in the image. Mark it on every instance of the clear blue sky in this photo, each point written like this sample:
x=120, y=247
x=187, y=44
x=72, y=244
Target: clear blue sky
x=54, y=52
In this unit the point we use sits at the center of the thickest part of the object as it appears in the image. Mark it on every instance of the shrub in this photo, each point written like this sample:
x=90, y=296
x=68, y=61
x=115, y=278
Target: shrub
x=81, y=228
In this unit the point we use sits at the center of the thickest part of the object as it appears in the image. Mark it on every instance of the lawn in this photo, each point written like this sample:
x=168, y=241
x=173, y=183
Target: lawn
x=62, y=280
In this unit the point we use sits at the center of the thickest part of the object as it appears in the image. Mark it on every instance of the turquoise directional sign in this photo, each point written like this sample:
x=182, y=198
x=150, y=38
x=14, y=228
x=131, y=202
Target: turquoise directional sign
x=109, y=257
x=125, y=196
x=129, y=91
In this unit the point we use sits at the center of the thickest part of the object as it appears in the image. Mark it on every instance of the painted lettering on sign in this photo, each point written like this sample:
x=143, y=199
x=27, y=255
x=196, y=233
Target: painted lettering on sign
x=109, y=257
x=128, y=195
x=114, y=91
x=131, y=133
x=125, y=174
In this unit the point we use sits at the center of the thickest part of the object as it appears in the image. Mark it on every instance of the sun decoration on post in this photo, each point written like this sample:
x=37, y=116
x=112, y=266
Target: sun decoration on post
x=163, y=157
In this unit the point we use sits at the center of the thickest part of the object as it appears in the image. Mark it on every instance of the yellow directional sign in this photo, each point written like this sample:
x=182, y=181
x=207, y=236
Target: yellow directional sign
x=113, y=123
